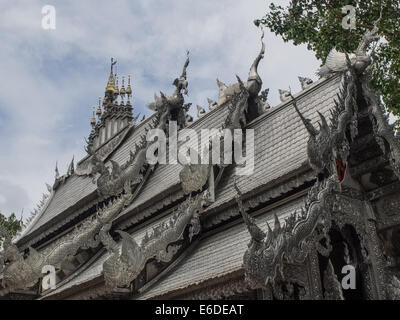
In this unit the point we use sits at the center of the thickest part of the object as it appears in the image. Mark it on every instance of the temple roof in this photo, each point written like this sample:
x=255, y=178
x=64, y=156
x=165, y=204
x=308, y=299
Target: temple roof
x=214, y=257
x=280, y=145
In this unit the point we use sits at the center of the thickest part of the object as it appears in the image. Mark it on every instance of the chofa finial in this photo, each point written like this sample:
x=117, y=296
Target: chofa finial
x=253, y=74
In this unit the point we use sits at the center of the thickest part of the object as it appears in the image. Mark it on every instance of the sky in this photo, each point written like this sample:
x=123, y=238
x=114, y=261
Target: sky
x=52, y=79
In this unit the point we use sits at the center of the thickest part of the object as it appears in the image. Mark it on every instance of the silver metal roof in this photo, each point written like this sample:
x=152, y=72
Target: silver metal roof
x=280, y=146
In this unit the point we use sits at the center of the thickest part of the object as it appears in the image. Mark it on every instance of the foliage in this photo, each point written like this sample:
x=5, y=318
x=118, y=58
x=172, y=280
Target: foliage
x=10, y=224
x=318, y=24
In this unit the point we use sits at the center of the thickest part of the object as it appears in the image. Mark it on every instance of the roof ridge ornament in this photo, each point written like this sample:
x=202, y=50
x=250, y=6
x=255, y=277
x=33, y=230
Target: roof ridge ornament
x=176, y=102
x=211, y=104
x=305, y=82
x=57, y=172
x=93, y=120
x=253, y=73
x=128, y=90
x=111, y=81
x=253, y=83
x=98, y=111
x=71, y=167
x=336, y=61
x=284, y=95
x=264, y=99
x=200, y=111
x=181, y=83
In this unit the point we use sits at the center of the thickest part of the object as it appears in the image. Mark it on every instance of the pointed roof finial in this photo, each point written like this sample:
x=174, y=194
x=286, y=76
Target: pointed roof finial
x=128, y=90
x=49, y=188
x=93, y=120
x=57, y=173
x=98, y=111
x=253, y=74
x=112, y=64
x=111, y=82
x=116, y=83
x=122, y=91
x=71, y=167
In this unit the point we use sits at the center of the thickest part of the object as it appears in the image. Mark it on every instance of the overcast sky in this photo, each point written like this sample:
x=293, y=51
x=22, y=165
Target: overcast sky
x=51, y=79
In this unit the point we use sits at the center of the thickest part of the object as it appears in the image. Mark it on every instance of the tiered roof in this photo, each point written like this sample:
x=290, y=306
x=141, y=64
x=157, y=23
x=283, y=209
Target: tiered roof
x=280, y=166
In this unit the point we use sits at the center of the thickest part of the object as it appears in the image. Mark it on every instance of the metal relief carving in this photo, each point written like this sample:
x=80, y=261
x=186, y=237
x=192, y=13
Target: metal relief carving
x=221, y=291
x=175, y=103
x=253, y=83
x=193, y=177
x=238, y=98
x=332, y=286
x=328, y=141
x=335, y=197
x=337, y=62
x=383, y=131
x=21, y=273
x=84, y=168
x=274, y=259
x=292, y=283
x=393, y=287
x=124, y=267
x=111, y=183
x=389, y=206
x=266, y=251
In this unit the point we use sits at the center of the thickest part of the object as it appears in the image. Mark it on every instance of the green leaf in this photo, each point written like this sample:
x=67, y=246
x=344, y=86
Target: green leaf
x=318, y=24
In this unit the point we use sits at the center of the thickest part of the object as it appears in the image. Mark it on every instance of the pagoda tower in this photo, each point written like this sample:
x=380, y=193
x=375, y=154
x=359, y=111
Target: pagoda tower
x=113, y=114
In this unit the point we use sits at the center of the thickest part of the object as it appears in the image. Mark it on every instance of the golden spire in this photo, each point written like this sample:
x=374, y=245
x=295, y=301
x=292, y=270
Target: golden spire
x=93, y=120
x=116, y=84
x=111, y=82
x=122, y=91
x=128, y=90
x=98, y=111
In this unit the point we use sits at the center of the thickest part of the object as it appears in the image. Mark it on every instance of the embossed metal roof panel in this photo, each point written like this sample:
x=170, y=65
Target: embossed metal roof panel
x=280, y=148
x=76, y=188
x=67, y=194
x=280, y=141
x=166, y=176
x=94, y=269
x=216, y=256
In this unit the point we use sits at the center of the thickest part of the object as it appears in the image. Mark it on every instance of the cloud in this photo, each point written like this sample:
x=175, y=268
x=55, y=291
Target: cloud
x=53, y=78
x=13, y=198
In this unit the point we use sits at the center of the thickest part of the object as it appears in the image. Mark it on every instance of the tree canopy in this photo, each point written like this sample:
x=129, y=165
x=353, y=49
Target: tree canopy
x=11, y=224
x=318, y=24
